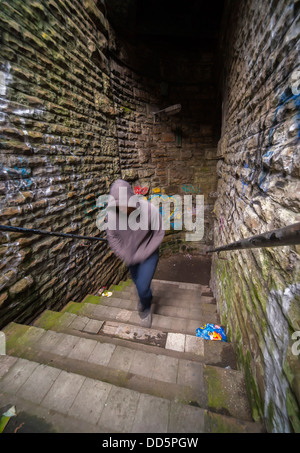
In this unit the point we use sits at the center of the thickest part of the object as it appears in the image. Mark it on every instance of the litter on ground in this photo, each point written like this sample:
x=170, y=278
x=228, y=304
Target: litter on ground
x=211, y=332
x=11, y=412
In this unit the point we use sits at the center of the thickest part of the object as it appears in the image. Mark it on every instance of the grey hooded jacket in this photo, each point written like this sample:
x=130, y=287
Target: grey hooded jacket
x=132, y=246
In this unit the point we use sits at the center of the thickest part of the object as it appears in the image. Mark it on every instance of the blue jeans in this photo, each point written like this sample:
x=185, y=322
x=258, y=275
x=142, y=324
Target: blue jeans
x=142, y=274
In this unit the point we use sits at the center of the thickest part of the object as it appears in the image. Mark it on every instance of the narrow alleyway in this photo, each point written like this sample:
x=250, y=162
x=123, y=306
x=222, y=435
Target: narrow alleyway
x=197, y=99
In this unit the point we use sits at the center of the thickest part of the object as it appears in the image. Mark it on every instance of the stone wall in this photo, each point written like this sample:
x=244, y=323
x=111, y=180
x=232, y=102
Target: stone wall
x=258, y=291
x=77, y=103
x=169, y=155
x=59, y=151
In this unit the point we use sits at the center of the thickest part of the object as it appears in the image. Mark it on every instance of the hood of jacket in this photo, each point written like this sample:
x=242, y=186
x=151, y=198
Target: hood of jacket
x=122, y=194
x=132, y=246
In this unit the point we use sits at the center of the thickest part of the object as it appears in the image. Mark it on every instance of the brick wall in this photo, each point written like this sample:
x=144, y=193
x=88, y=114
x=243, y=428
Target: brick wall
x=258, y=291
x=172, y=154
x=59, y=151
x=76, y=114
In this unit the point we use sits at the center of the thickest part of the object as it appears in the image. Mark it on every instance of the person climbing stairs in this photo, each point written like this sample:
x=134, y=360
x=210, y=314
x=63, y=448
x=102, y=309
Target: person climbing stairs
x=92, y=368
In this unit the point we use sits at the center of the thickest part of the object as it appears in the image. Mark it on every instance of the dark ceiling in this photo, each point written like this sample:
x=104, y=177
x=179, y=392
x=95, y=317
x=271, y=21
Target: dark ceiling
x=190, y=21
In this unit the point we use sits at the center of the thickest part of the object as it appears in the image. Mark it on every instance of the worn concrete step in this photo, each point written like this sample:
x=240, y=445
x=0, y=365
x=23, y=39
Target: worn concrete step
x=164, y=288
x=167, y=293
x=148, y=373
x=166, y=283
x=169, y=377
x=179, y=285
x=177, y=309
x=172, y=344
x=183, y=311
x=65, y=401
x=127, y=302
x=167, y=298
x=160, y=322
x=204, y=303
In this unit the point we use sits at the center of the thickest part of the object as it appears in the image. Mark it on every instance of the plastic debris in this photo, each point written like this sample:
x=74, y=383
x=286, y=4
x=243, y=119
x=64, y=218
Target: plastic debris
x=211, y=332
x=98, y=293
x=106, y=293
x=11, y=412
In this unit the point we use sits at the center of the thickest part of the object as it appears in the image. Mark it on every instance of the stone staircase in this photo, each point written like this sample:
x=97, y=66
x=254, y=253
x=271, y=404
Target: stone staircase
x=91, y=368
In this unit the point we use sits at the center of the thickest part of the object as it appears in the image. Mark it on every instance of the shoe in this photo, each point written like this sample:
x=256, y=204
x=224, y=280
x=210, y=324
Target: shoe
x=140, y=307
x=146, y=320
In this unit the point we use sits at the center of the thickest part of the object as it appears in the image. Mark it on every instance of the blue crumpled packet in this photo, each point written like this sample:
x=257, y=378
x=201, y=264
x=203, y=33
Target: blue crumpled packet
x=211, y=332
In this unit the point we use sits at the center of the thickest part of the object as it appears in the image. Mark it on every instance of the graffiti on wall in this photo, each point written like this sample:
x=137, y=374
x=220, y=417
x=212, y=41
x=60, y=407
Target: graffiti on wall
x=189, y=188
x=138, y=190
x=246, y=180
x=17, y=178
x=263, y=182
x=173, y=216
x=158, y=190
x=90, y=206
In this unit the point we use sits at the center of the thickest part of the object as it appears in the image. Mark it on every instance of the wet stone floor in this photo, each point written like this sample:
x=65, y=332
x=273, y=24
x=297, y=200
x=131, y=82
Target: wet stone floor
x=184, y=268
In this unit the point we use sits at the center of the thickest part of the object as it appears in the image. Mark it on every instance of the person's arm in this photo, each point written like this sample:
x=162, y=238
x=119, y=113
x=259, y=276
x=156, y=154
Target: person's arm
x=117, y=245
x=156, y=235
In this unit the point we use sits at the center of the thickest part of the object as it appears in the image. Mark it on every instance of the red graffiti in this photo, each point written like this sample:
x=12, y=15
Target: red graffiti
x=140, y=190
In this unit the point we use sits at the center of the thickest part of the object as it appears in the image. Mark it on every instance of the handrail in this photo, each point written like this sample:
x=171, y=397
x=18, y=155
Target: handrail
x=289, y=235
x=49, y=233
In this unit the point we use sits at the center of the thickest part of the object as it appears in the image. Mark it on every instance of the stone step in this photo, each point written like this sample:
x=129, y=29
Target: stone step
x=180, y=285
x=167, y=298
x=162, y=289
x=160, y=322
x=168, y=293
x=146, y=372
x=208, y=387
x=158, y=287
x=172, y=344
x=169, y=284
x=203, y=302
x=173, y=308
x=192, y=312
x=185, y=382
x=64, y=401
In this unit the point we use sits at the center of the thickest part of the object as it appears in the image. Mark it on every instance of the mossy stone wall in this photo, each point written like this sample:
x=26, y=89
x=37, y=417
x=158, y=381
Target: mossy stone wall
x=258, y=290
